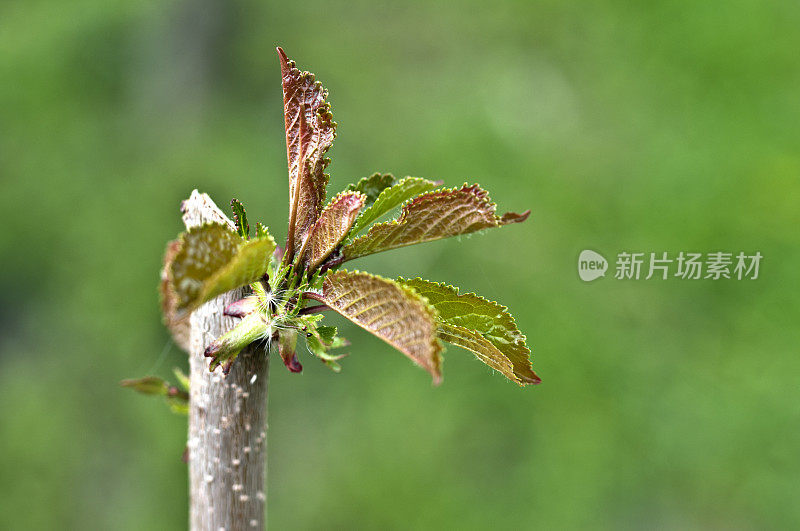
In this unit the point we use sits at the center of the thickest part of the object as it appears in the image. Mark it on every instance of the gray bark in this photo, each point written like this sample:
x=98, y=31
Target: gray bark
x=227, y=414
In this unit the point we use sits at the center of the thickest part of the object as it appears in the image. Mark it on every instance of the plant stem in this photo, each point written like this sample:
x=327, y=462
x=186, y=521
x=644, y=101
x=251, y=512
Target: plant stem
x=227, y=415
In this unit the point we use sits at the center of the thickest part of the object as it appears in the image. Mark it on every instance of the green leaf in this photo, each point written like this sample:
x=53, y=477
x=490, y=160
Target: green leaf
x=178, y=405
x=320, y=340
x=310, y=131
x=483, y=349
x=330, y=337
x=332, y=226
x=240, y=218
x=149, y=385
x=391, y=198
x=432, y=216
x=213, y=260
x=390, y=311
x=183, y=379
x=177, y=399
x=372, y=186
x=481, y=326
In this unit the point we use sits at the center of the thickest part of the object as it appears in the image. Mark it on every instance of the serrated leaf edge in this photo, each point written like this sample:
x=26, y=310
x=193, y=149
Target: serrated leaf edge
x=481, y=195
x=503, y=310
x=427, y=307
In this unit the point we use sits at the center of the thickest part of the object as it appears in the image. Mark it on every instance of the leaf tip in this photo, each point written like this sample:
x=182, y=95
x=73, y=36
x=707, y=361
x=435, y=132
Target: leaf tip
x=532, y=379
x=513, y=217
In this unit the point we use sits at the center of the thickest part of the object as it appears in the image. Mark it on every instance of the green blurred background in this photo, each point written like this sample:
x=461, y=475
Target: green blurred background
x=653, y=126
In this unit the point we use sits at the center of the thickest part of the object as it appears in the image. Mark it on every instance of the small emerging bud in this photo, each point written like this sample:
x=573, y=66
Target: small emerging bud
x=241, y=307
x=286, y=347
x=225, y=349
x=213, y=349
x=174, y=392
x=293, y=364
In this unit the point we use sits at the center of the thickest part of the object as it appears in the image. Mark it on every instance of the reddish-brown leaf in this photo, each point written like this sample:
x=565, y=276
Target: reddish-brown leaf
x=390, y=311
x=332, y=226
x=310, y=131
x=178, y=325
x=432, y=216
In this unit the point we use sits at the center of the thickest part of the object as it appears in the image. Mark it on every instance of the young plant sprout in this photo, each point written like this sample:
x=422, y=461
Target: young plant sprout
x=288, y=290
x=290, y=287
